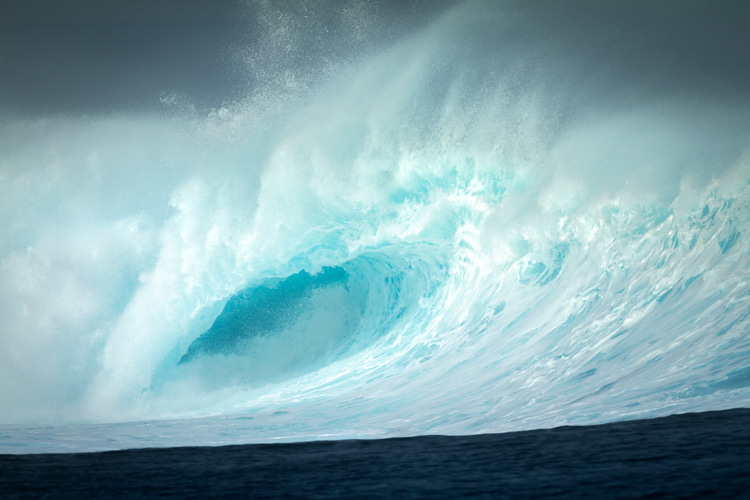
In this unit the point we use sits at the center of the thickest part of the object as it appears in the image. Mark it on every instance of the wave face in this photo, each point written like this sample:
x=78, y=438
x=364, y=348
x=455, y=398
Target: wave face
x=504, y=216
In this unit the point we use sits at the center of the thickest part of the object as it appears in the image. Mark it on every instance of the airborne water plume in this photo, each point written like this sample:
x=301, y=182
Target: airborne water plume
x=490, y=216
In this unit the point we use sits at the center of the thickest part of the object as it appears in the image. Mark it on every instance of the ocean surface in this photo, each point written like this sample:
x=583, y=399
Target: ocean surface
x=700, y=455
x=277, y=222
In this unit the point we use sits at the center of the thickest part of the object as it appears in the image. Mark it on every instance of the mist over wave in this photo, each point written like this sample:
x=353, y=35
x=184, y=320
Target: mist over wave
x=508, y=215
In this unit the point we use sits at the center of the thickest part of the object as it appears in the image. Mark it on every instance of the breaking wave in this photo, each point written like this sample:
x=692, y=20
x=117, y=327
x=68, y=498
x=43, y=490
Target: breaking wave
x=500, y=220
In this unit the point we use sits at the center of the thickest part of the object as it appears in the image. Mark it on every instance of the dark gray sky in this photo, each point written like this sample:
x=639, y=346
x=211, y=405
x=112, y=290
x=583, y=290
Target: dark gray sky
x=114, y=10
x=87, y=56
x=90, y=56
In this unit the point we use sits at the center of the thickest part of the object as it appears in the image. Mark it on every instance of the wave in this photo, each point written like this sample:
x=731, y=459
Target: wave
x=502, y=219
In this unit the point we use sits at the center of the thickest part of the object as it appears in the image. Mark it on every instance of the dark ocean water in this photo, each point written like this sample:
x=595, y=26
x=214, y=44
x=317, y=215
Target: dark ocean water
x=699, y=455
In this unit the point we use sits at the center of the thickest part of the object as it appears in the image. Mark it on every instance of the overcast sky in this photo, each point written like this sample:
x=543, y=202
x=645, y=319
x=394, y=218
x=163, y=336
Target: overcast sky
x=87, y=56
